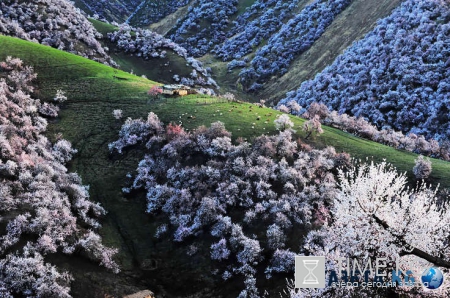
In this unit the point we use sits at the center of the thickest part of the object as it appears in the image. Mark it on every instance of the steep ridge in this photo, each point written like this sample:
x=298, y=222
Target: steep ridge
x=166, y=24
x=150, y=11
x=352, y=24
x=117, y=10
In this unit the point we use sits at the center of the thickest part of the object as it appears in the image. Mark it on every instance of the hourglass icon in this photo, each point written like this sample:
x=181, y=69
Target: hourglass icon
x=309, y=272
x=310, y=278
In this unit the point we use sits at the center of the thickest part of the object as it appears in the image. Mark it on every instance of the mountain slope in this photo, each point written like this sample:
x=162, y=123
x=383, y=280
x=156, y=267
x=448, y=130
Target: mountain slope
x=253, y=37
x=397, y=76
x=251, y=31
x=86, y=119
x=150, y=11
x=113, y=11
x=352, y=24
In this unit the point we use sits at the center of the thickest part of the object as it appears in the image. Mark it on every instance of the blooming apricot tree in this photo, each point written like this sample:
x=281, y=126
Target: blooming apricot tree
x=375, y=215
x=283, y=122
x=155, y=91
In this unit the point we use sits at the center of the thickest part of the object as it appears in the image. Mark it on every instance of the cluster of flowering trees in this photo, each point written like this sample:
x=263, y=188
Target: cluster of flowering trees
x=148, y=44
x=144, y=43
x=294, y=38
x=251, y=198
x=193, y=33
x=56, y=23
x=410, y=142
x=256, y=24
x=374, y=215
x=397, y=76
x=362, y=128
x=43, y=208
x=155, y=91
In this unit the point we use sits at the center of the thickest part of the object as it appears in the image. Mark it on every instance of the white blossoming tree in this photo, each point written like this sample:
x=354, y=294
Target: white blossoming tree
x=375, y=215
x=283, y=122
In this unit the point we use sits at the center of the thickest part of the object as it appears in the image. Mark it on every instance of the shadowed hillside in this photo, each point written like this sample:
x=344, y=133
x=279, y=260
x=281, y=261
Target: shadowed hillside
x=352, y=24
x=117, y=10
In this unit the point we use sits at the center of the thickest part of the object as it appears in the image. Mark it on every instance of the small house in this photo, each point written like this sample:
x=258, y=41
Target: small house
x=180, y=90
x=168, y=89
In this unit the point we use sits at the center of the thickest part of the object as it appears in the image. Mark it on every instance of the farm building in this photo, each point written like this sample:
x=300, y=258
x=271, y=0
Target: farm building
x=176, y=90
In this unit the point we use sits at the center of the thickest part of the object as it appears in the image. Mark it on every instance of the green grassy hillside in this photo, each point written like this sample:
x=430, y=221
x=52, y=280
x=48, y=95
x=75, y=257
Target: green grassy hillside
x=80, y=78
x=161, y=69
x=94, y=91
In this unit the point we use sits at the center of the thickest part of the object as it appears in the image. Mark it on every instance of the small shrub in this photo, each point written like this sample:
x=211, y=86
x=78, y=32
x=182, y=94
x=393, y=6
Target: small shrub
x=422, y=169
